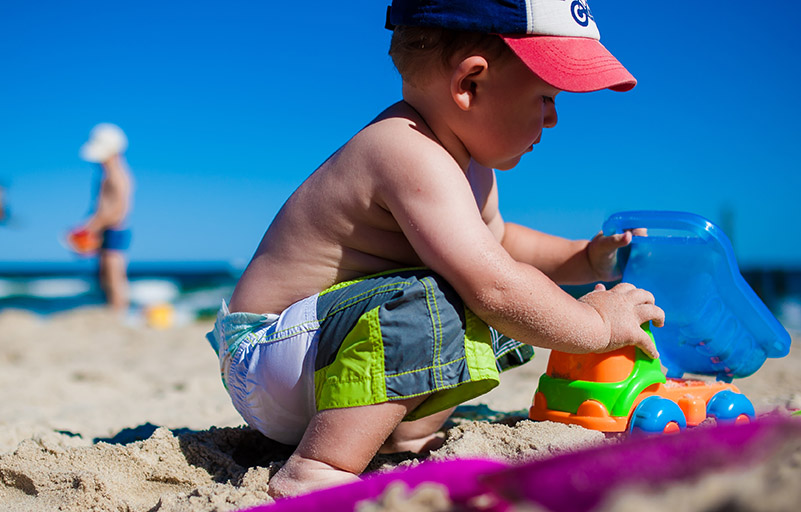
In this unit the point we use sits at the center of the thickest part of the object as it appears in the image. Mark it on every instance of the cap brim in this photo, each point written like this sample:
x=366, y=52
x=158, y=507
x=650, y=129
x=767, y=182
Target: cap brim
x=573, y=64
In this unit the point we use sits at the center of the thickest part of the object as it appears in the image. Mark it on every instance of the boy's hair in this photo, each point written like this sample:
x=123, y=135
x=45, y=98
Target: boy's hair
x=417, y=52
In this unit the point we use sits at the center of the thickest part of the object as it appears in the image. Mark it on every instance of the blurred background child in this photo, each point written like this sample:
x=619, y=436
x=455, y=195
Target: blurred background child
x=106, y=233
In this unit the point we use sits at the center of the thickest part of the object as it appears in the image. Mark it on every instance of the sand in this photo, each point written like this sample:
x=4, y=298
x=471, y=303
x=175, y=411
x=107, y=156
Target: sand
x=99, y=415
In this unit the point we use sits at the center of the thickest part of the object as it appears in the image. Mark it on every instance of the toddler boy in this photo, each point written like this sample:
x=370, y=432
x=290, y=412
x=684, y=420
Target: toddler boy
x=380, y=290
x=106, y=228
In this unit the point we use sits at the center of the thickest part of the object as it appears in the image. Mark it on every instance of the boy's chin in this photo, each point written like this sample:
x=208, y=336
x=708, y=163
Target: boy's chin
x=507, y=165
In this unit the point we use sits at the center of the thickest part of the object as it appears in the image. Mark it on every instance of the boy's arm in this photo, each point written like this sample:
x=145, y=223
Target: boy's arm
x=566, y=261
x=563, y=261
x=431, y=200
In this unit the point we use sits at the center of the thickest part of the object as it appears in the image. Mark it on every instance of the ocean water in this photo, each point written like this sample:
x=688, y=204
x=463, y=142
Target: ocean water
x=780, y=290
x=195, y=289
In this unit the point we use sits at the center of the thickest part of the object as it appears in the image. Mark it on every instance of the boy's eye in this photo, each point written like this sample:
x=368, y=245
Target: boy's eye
x=547, y=99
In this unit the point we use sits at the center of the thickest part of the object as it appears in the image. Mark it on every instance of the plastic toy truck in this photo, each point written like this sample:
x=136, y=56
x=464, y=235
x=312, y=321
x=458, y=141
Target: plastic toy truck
x=715, y=326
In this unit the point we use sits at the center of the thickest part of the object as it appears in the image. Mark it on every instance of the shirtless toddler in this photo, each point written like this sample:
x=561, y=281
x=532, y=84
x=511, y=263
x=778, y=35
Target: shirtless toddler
x=108, y=223
x=388, y=289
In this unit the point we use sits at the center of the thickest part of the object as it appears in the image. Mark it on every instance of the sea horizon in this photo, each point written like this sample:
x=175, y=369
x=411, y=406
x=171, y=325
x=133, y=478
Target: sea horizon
x=197, y=287
x=193, y=288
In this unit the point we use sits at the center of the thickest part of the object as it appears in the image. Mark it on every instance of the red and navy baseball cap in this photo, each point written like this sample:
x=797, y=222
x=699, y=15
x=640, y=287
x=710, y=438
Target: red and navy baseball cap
x=557, y=39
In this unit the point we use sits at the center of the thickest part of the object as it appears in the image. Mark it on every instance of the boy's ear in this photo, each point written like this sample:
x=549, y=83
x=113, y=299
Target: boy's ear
x=467, y=79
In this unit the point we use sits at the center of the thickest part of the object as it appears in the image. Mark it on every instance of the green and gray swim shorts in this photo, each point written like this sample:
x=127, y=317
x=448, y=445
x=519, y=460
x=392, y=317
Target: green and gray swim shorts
x=389, y=336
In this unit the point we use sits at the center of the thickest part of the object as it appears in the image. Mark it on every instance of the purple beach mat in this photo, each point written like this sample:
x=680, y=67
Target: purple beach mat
x=580, y=481
x=461, y=477
x=572, y=482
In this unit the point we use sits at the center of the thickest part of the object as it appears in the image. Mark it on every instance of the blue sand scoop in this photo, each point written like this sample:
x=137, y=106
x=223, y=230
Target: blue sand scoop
x=715, y=324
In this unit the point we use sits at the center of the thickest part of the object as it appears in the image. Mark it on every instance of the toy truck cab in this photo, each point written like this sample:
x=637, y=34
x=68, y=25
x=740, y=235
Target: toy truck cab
x=715, y=325
x=625, y=390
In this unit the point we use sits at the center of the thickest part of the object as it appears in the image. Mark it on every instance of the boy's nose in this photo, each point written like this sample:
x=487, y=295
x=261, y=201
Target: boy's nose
x=550, y=118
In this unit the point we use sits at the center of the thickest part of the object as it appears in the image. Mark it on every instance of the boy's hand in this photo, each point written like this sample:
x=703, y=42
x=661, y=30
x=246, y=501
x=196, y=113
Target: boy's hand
x=83, y=240
x=624, y=309
x=602, y=252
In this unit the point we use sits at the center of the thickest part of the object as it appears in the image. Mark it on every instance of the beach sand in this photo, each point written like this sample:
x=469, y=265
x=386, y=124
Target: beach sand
x=97, y=415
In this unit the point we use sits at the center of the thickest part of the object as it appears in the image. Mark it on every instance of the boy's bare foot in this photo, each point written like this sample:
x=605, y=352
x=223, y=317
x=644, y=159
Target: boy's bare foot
x=300, y=476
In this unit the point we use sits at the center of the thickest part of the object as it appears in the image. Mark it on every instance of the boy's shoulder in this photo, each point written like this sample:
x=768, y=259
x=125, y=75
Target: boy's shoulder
x=399, y=139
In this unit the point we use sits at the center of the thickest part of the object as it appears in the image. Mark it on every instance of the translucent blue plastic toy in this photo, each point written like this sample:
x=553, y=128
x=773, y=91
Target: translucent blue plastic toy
x=715, y=323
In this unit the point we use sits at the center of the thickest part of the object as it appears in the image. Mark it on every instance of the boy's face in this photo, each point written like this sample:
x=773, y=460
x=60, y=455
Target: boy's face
x=516, y=106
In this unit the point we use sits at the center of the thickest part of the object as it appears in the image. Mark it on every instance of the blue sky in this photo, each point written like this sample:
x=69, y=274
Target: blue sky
x=229, y=106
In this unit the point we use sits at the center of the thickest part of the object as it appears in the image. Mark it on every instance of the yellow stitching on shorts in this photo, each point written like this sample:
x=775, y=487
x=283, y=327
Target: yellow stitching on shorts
x=441, y=337
x=436, y=325
x=431, y=392
x=432, y=367
x=350, y=301
x=345, y=284
x=378, y=287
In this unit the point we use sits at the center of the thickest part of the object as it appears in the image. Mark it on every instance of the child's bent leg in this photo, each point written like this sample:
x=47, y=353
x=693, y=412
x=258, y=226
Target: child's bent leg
x=418, y=436
x=337, y=446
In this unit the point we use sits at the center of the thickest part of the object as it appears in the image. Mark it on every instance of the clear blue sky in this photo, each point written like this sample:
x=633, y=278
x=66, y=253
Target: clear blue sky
x=230, y=105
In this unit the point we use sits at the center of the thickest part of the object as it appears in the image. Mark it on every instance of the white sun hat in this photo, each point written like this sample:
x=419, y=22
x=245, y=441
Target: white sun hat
x=105, y=141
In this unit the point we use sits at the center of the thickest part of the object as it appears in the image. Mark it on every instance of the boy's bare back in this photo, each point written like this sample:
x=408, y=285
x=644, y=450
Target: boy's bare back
x=339, y=225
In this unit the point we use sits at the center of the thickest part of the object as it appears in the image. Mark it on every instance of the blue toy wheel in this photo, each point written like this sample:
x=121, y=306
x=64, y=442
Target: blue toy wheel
x=657, y=415
x=730, y=407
